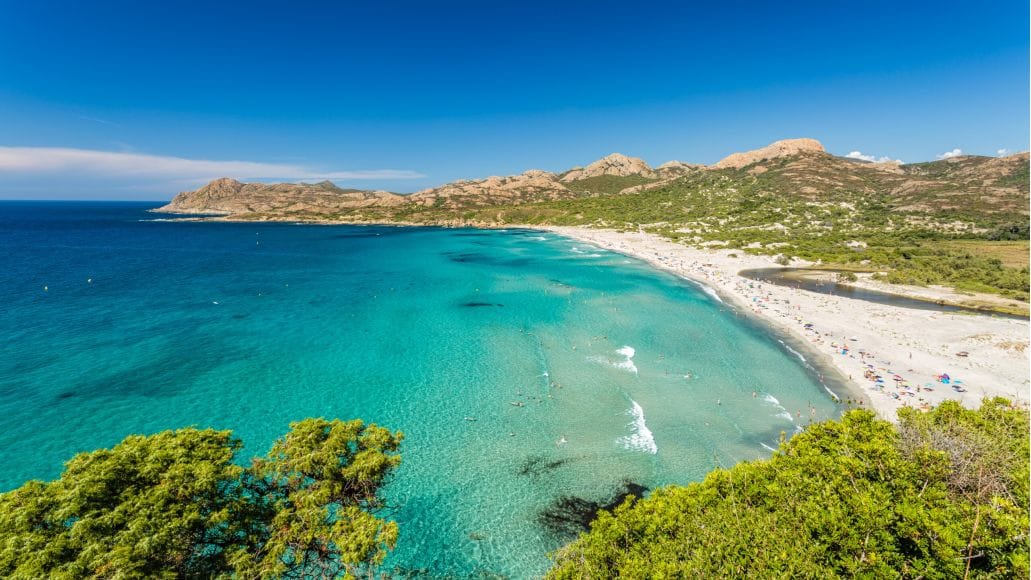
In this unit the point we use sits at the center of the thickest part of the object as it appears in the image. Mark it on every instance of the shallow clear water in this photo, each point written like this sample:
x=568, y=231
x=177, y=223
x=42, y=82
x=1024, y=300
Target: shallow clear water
x=623, y=373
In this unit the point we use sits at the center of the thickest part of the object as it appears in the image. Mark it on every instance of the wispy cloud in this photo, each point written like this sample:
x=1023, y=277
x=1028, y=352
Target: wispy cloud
x=99, y=120
x=62, y=160
x=957, y=152
x=1002, y=152
x=859, y=155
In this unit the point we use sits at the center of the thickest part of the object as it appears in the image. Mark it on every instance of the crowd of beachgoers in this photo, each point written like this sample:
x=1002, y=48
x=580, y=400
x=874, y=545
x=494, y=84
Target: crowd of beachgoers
x=889, y=356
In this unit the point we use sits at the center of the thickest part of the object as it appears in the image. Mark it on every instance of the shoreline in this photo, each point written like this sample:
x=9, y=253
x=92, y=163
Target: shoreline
x=818, y=327
x=984, y=356
x=818, y=364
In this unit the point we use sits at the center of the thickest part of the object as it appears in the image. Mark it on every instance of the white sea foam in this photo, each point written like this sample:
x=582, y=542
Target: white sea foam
x=767, y=446
x=641, y=438
x=708, y=290
x=628, y=364
x=783, y=413
x=585, y=249
x=794, y=352
x=536, y=238
x=832, y=394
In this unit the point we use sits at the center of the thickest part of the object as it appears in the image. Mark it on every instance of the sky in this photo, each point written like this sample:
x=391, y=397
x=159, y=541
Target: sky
x=141, y=100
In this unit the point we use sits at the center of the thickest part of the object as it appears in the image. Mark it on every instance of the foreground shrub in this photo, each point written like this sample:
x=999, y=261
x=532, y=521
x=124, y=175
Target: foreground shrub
x=175, y=504
x=941, y=495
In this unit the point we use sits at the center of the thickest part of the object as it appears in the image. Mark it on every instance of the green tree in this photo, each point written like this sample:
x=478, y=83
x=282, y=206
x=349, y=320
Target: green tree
x=942, y=495
x=175, y=504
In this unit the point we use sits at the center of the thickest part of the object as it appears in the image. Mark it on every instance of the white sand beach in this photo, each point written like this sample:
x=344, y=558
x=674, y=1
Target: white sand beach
x=892, y=355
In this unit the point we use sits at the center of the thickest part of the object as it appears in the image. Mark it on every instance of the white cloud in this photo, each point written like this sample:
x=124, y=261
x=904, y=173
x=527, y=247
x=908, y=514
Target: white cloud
x=1002, y=152
x=863, y=157
x=859, y=155
x=53, y=160
x=950, y=154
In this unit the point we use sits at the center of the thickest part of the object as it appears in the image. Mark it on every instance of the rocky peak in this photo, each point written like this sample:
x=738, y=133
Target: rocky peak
x=222, y=185
x=536, y=173
x=614, y=164
x=782, y=148
x=676, y=168
x=675, y=165
x=229, y=196
x=326, y=184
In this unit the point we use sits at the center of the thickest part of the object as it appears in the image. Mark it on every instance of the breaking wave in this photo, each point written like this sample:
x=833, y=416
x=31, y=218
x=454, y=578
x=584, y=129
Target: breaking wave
x=641, y=438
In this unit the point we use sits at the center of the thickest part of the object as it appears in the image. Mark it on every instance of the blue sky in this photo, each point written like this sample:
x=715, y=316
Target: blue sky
x=122, y=100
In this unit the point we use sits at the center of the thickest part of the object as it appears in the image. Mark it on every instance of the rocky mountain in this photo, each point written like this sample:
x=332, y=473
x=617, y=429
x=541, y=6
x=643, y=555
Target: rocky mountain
x=615, y=164
x=527, y=187
x=615, y=173
x=970, y=184
x=611, y=174
x=784, y=148
x=989, y=185
x=231, y=197
x=793, y=170
x=676, y=169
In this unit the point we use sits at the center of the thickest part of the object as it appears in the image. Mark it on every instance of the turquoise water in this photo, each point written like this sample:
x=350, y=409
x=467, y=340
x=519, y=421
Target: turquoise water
x=621, y=373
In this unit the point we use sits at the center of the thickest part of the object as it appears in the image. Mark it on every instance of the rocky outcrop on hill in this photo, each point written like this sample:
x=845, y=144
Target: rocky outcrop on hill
x=229, y=196
x=674, y=169
x=614, y=164
x=529, y=186
x=994, y=184
x=785, y=148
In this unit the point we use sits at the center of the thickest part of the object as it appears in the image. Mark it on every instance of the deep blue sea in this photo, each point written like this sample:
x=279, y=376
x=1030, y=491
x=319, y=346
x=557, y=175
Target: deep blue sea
x=582, y=368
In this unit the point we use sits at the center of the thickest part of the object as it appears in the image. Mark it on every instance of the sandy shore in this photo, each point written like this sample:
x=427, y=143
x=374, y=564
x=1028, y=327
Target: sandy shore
x=907, y=349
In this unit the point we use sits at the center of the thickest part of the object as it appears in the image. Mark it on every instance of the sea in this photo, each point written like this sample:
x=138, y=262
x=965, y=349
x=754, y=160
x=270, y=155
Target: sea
x=535, y=377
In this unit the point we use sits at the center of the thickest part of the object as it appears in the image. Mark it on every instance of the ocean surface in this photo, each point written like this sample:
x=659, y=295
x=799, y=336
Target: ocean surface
x=524, y=368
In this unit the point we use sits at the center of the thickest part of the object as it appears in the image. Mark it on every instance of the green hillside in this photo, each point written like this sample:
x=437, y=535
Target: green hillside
x=603, y=184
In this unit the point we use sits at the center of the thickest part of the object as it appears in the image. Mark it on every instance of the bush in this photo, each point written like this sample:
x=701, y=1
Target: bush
x=175, y=504
x=941, y=495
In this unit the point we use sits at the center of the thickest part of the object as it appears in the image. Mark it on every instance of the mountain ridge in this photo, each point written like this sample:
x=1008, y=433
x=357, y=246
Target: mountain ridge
x=606, y=175
x=803, y=167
